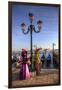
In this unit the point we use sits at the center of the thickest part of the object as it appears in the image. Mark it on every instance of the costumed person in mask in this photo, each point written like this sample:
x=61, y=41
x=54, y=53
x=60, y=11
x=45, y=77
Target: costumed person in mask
x=24, y=70
x=37, y=61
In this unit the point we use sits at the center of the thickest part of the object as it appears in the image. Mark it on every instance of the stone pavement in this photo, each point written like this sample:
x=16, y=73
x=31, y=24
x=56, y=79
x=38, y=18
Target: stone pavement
x=47, y=77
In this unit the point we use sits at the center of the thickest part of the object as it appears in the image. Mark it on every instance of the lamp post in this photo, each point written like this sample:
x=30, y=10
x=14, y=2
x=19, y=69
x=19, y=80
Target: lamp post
x=31, y=28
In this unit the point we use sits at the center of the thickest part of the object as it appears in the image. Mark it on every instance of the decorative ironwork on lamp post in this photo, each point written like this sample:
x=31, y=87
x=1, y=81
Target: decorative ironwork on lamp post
x=31, y=28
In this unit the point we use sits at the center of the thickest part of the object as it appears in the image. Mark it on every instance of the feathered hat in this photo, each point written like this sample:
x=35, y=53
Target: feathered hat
x=38, y=49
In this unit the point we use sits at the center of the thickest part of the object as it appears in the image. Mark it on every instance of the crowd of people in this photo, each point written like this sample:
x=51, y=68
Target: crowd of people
x=25, y=63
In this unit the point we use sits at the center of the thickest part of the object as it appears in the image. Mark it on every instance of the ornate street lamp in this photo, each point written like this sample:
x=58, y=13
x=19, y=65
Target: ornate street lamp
x=31, y=28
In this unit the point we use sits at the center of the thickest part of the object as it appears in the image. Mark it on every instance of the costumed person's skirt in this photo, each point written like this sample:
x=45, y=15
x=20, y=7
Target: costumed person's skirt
x=24, y=72
x=37, y=67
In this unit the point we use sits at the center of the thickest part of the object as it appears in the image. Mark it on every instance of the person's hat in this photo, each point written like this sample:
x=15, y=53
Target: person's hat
x=38, y=49
x=23, y=49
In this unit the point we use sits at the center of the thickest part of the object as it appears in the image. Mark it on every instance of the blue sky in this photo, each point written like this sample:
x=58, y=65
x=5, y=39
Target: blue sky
x=49, y=31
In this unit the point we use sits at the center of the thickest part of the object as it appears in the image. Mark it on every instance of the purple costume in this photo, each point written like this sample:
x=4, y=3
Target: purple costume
x=24, y=70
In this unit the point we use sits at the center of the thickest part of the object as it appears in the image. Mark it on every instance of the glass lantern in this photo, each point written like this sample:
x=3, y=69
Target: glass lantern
x=31, y=16
x=39, y=23
x=23, y=26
